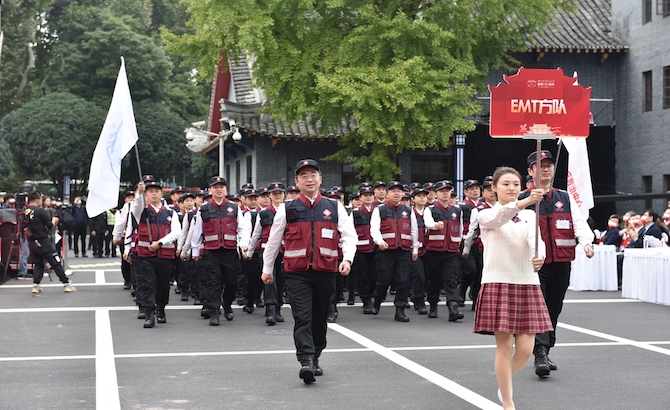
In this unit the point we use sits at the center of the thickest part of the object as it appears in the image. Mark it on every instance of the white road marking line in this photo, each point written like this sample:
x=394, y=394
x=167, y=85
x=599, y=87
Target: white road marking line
x=106, y=382
x=44, y=358
x=69, y=272
x=622, y=340
x=433, y=377
x=100, y=277
x=60, y=285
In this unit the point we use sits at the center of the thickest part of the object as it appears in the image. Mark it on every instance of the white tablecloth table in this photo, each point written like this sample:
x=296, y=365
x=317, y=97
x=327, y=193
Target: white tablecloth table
x=646, y=275
x=597, y=273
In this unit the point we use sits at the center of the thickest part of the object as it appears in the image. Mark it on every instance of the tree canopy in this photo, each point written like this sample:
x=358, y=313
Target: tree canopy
x=406, y=71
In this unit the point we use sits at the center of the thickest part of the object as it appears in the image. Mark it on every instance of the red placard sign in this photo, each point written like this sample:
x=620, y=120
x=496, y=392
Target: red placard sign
x=536, y=101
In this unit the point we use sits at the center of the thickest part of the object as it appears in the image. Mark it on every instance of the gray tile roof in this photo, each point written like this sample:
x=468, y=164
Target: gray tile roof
x=588, y=28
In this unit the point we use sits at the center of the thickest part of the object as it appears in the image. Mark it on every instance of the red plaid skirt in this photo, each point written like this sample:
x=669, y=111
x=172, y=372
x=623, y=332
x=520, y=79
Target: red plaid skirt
x=511, y=308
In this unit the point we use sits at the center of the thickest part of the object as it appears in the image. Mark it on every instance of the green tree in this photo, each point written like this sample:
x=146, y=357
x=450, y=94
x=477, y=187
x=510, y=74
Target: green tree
x=161, y=144
x=405, y=71
x=54, y=133
x=6, y=166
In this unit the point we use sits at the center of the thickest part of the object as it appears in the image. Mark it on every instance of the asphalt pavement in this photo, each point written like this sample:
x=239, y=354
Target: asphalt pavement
x=87, y=350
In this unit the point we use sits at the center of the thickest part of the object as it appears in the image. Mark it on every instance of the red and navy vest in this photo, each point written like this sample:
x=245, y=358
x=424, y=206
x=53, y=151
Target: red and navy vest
x=311, y=236
x=361, y=218
x=447, y=239
x=160, y=225
x=556, y=226
x=421, y=225
x=396, y=225
x=219, y=225
x=467, y=206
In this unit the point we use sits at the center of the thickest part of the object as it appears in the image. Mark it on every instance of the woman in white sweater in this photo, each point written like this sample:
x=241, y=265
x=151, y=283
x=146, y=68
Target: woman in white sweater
x=510, y=303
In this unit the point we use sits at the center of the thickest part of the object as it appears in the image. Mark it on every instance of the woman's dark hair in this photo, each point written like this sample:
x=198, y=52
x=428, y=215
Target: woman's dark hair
x=500, y=171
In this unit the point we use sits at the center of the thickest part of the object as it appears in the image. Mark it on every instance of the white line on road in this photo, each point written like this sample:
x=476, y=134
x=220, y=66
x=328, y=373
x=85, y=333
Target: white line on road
x=433, y=377
x=106, y=382
x=100, y=277
x=613, y=338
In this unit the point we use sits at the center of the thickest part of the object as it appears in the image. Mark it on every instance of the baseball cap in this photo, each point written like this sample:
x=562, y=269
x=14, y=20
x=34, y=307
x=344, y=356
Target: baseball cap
x=444, y=184
x=544, y=154
x=150, y=181
x=366, y=190
x=306, y=163
x=217, y=180
x=470, y=182
x=393, y=184
x=378, y=183
x=276, y=186
x=427, y=186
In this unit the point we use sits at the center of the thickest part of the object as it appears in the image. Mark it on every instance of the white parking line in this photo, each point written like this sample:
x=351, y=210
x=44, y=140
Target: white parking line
x=613, y=338
x=106, y=382
x=433, y=377
x=100, y=277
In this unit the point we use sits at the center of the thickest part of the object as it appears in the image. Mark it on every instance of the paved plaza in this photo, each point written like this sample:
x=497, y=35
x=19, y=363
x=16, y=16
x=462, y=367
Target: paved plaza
x=87, y=350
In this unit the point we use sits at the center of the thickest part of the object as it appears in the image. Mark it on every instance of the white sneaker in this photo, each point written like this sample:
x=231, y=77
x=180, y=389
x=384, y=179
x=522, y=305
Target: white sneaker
x=69, y=288
x=36, y=289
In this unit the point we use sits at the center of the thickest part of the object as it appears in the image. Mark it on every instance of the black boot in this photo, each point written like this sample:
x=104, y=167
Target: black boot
x=278, y=315
x=318, y=371
x=352, y=298
x=400, y=315
x=214, y=317
x=307, y=370
x=376, y=305
x=422, y=308
x=184, y=297
x=461, y=294
x=149, y=322
x=160, y=315
x=332, y=314
x=270, y=313
x=542, y=369
x=205, y=313
x=367, y=306
x=228, y=313
x=432, y=314
x=142, y=314
x=249, y=308
x=454, y=314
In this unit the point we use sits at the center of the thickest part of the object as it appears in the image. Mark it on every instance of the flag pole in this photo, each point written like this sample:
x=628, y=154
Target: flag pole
x=139, y=167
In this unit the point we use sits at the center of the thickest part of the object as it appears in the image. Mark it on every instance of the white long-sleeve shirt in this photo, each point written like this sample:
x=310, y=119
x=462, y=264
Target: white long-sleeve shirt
x=136, y=209
x=345, y=226
x=243, y=231
x=376, y=234
x=508, y=245
x=120, y=223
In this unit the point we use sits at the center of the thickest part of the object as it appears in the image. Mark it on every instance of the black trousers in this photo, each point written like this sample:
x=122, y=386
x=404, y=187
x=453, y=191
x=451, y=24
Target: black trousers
x=135, y=277
x=79, y=233
x=98, y=242
x=201, y=275
x=153, y=282
x=417, y=279
x=253, y=278
x=441, y=271
x=221, y=267
x=43, y=250
x=364, y=270
x=274, y=292
x=472, y=272
x=187, y=276
x=310, y=293
x=393, y=266
x=554, y=281
x=109, y=245
x=125, y=271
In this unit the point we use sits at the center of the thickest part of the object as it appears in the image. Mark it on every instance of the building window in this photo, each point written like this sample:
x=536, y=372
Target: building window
x=647, y=90
x=646, y=187
x=663, y=7
x=646, y=11
x=250, y=167
x=238, y=174
x=666, y=87
x=431, y=168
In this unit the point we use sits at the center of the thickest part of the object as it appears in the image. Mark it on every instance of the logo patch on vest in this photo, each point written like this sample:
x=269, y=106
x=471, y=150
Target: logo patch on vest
x=169, y=219
x=453, y=216
x=230, y=211
x=326, y=214
x=559, y=205
x=404, y=214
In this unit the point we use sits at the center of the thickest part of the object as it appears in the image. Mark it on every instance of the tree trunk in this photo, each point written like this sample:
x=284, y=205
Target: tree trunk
x=24, y=77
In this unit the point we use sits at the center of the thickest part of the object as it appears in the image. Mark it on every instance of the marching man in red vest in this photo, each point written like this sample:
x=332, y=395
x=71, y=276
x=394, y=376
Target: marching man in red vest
x=314, y=227
x=158, y=230
x=221, y=227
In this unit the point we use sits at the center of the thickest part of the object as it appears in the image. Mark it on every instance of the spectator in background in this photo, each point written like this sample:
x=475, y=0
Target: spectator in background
x=649, y=229
x=98, y=226
x=65, y=221
x=112, y=214
x=79, y=226
x=612, y=236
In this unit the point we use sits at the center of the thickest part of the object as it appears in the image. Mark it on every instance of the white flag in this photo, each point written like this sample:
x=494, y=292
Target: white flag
x=118, y=136
x=579, y=174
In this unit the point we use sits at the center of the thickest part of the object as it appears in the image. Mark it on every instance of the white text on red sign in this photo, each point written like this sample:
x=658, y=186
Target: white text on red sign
x=545, y=106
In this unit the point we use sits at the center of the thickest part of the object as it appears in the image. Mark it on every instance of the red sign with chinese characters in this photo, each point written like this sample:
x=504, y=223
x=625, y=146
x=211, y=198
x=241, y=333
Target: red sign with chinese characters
x=535, y=101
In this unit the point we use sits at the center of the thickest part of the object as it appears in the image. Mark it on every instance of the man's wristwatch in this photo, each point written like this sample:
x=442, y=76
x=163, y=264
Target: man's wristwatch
x=160, y=244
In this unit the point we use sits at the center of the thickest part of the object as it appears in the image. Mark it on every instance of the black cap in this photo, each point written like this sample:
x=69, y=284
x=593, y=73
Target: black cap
x=488, y=181
x=529, y=178
x=199, y=192
x=128, y=193
x=338, y=189
x=306, y=163
x=470, y=182
x=406, y=195
x=379, y=183
x=414, y=185
x=418, y=191
x=444, y=184
x=179, y=190
x=292, y=188
x=277, y=186
x=544, y=154
x=366, y=190
x=427, y=186
x=353, y=196
x=150, y=181
x=248, y=185
x=363, y=184
x=235, y=197
x=250, y=192
x=393, y=184
x=188, y=195
x=333, y=194
x=217, y=180
x=206, y=195
x=229, y=197
x=263, y=191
